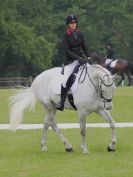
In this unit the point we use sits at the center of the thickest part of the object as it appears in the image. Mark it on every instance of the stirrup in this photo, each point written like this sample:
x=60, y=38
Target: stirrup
x=60, y=106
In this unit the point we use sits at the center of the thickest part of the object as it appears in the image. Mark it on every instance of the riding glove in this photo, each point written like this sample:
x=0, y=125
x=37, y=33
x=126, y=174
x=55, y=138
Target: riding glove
x=82, y=60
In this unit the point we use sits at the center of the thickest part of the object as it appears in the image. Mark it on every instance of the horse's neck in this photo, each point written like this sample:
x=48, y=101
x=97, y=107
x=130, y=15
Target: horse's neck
x=94, y=73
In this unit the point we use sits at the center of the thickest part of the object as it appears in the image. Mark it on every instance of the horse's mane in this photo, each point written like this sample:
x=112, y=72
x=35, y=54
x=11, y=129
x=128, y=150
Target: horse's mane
x=101, y=68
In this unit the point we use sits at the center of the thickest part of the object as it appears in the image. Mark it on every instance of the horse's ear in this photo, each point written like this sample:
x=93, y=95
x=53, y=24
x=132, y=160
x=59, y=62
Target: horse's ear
x=114, y=76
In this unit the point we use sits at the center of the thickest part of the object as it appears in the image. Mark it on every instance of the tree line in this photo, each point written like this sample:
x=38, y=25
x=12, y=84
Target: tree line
x=31, y=31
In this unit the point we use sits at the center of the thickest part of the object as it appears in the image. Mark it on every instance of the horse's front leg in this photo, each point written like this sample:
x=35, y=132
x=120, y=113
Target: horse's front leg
x=106, y=115
x=82, y=121
x=63, y=139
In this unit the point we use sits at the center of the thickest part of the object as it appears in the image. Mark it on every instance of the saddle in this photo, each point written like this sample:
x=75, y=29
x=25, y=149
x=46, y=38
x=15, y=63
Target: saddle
x=72, y=83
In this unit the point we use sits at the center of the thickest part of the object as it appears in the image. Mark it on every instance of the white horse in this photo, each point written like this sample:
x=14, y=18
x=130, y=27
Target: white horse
x=94, y=94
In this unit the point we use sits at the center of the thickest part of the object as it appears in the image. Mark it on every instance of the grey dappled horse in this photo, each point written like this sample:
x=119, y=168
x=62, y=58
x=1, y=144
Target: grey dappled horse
x=93, y=94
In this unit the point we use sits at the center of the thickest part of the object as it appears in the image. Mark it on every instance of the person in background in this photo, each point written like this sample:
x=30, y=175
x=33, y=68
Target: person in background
x=110, y=51
x=76, y=54
x=110, y=56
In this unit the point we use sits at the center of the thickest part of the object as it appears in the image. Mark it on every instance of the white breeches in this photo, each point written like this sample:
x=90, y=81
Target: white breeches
x=68, y=71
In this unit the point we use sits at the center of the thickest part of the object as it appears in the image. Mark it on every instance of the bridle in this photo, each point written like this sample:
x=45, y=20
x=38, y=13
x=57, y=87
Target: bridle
x=101, y=92
x=99, y=88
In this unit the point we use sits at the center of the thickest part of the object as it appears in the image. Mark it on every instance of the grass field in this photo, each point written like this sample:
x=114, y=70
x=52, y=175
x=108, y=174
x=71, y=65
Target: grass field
x=20, y=154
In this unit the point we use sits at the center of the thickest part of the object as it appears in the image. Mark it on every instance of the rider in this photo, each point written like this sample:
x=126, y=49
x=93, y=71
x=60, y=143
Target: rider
x=76, y=53
x=110, y=55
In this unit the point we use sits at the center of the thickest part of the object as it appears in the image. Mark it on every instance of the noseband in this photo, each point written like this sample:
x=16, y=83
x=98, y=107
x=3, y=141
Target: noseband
x=100, y=89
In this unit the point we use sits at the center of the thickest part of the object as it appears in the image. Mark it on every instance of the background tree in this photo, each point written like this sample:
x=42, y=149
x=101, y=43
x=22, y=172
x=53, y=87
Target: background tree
x=31, y=31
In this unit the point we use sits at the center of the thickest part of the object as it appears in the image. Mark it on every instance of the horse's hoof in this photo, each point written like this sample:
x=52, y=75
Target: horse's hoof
x=44, y=148
x=110, y=150
x=69, y=150
x=86, y=152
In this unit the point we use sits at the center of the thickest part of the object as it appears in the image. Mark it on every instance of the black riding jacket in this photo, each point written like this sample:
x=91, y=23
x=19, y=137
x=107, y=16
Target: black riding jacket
x=74, y=46
x=110, y=54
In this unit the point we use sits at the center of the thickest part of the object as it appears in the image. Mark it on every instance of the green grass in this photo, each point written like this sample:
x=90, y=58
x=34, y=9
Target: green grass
x=20, y=155
x=122, y=110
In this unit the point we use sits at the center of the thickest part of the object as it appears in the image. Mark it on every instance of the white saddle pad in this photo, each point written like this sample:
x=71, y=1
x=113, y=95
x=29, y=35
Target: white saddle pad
x=113, y=63
x=57, y=86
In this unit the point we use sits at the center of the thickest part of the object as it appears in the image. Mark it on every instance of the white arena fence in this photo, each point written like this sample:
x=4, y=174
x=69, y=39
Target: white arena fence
x=11, y=82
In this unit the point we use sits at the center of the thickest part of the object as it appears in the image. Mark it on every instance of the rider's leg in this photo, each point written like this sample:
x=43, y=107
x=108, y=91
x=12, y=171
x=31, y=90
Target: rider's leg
x=60, y=105
x=111, y=69
x=65, y=85
x=108, y=64
x=72, y=77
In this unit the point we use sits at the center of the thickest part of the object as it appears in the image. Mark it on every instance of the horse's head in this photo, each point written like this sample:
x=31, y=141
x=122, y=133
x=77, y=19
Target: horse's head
x=107, y=86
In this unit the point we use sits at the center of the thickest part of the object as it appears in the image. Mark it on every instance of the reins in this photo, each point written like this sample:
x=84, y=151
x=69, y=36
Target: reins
x=86, y=73
x=84, y=68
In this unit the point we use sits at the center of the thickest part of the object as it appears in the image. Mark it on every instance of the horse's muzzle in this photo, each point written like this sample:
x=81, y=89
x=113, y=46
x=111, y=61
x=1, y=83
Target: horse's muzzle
x=108, y=105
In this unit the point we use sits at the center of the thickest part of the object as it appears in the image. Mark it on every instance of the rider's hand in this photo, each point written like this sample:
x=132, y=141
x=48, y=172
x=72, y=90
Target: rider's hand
x=81, y=60
x=89, y=60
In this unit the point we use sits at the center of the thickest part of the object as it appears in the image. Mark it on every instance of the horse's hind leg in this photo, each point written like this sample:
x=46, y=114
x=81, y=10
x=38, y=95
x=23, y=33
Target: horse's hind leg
x=122, y=79
x=63, y=139
x=44, y=136
x=106, y=115
x=82, y=120
x=129, y=78
x=50, y=122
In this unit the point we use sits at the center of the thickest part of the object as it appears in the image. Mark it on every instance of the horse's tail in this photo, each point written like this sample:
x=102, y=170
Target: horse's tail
x=18, y=103
x=130, y=66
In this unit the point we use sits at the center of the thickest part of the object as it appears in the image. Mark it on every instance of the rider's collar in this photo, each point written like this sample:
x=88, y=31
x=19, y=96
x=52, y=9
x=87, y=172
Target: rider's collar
x=70, y=32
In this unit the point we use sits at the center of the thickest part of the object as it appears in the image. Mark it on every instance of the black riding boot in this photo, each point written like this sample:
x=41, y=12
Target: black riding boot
x=60, y=105
x=111, y=70
x=64, y=90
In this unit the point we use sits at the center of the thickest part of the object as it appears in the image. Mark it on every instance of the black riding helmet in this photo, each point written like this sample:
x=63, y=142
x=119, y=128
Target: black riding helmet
x=71, y=18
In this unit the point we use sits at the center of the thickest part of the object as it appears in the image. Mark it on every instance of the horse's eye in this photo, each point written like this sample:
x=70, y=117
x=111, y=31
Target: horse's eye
x=103, y=89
